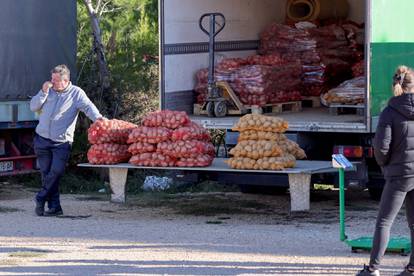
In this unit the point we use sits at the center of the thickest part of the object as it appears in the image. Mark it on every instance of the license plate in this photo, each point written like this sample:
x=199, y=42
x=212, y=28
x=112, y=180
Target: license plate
x=6, y=166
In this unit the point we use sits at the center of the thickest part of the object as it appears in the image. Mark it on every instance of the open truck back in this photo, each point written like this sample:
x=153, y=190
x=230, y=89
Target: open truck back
x=387, y=43
x=36, y=35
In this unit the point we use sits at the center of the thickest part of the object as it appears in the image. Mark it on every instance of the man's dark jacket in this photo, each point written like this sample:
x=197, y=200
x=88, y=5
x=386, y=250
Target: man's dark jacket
x=394, y=138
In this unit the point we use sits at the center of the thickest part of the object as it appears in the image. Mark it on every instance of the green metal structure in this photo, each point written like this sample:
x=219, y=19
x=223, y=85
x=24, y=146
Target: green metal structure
x=396, y=244
x=391, y=44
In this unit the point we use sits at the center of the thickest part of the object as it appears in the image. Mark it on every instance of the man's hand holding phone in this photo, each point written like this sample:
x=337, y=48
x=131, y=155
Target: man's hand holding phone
x=46, y=86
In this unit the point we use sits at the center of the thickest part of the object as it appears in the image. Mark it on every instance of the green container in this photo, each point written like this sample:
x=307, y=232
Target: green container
x=391, y=44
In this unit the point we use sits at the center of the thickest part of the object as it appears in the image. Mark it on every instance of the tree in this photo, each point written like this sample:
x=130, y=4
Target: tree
x=95, y=12
x=126, y=32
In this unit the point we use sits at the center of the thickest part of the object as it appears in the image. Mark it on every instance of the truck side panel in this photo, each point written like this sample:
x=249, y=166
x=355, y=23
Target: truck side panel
x=35, y=36
x=392, y=44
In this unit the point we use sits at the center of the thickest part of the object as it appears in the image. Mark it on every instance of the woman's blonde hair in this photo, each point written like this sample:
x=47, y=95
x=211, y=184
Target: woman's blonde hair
x=403, y=80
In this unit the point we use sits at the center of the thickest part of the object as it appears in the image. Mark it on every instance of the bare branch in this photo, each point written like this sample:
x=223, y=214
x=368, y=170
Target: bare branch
x=98, y=5
x=89, y=7
x=102, y=10
x=98, y=46
x=112, y=10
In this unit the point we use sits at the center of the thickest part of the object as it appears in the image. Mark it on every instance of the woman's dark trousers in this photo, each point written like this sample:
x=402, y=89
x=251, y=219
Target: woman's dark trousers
x=392, y=199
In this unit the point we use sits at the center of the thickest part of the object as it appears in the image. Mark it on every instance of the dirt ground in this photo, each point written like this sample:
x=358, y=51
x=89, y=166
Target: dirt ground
x=187, y=234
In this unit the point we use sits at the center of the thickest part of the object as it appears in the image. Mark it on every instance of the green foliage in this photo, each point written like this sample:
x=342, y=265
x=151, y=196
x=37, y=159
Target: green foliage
x=130, y=35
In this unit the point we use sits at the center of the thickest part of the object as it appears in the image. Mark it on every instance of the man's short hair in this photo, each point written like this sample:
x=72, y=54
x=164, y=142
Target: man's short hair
x=62, y=70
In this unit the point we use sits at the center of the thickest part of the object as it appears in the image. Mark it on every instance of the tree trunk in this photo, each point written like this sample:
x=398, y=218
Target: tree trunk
x=98, y=46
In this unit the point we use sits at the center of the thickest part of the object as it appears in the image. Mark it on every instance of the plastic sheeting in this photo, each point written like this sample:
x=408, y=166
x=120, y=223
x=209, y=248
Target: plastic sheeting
x=35, y=36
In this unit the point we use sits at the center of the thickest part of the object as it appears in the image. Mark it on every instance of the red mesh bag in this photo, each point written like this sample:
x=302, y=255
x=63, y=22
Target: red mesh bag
x=151, y=135
x=358, y=69
x=272, y=59
x=109, y=131
x=152, y=159
x=204, y=160
x=231, y=63
x=191, y=132
x=182, y=149
x=108, y=154
x=140, y=147
x=166, y=118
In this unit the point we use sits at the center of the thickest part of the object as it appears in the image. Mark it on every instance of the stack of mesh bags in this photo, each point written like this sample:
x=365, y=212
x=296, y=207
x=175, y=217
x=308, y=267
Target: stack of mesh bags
x=223, y=72
x=350, y=92
x=257, y=80
x=169, y=138
x=262, y=145
x=326, y=53
x=109, y=141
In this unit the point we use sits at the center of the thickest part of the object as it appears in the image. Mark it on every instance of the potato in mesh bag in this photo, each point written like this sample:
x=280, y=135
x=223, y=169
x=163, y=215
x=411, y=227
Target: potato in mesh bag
x=260, y=135
x=256, y=149
x=242, y=163
x=292, y=148
x=261, y=122
x=276, y=163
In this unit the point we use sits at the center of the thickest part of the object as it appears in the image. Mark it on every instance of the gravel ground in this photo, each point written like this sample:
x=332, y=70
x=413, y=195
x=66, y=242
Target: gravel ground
x=99, y=238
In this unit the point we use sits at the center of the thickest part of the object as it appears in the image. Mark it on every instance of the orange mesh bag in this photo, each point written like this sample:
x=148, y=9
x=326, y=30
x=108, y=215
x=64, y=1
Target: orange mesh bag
x=256, y=149
x=140, y=147
x=191, y=132
x=203, y=160
x=166, y=118
x=261, y=135
x=152, y=159
x=109, y=131
x=108, y=154
x=180, y=149
x=151, y=135
x=261, y=123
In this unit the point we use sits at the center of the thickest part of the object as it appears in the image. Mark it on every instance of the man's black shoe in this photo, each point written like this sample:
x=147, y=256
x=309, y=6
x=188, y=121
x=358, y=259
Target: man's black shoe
x=40, y=207
x=52, y=212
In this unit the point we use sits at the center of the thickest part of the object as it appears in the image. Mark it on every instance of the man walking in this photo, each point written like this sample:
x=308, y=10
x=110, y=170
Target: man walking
x=58, y=104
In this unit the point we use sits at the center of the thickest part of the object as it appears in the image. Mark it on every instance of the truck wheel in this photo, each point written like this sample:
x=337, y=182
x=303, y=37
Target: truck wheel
x=210, y=109
x=220, y=109
x=375, y=193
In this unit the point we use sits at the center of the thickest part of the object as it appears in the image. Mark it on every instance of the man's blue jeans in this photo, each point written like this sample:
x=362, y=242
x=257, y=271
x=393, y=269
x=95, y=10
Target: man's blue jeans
x=52, y=158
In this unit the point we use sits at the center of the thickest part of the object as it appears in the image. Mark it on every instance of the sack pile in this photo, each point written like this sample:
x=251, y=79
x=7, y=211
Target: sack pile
x=262, y=145
x=109, y=141
x=358, y=69
x=326, y=53
x=256, y=80
x=350, y=92
x=169, y=138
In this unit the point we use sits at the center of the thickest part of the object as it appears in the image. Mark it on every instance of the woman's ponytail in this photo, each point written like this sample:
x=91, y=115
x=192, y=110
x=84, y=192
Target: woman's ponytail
x=397, y=90
x=403, y=80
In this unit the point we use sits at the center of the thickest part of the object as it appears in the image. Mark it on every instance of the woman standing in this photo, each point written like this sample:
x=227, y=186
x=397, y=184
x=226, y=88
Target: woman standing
x=394, y=152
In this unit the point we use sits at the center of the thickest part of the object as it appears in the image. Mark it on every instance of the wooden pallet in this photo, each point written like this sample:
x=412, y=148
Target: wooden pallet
x=313, y=101
x=338, y=109
x=276, y=108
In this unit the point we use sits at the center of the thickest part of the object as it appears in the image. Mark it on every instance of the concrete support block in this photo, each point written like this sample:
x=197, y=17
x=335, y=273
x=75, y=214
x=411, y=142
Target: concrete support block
x=117, y=181
x=299, y=187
